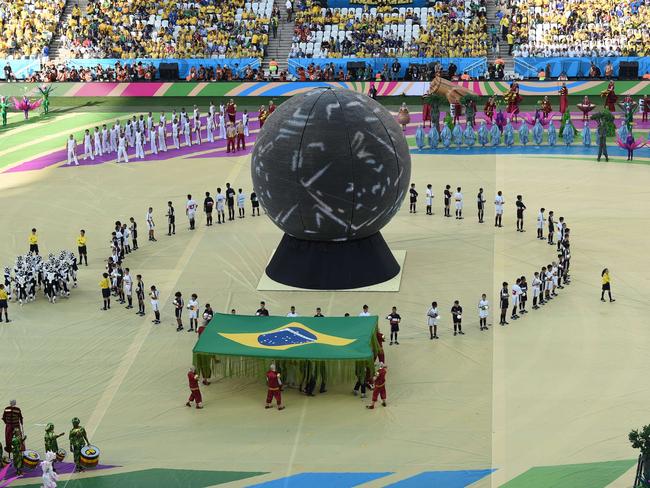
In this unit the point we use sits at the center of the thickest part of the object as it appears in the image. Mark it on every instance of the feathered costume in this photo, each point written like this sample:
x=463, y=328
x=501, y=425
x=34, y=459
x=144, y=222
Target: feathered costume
x=26, y=105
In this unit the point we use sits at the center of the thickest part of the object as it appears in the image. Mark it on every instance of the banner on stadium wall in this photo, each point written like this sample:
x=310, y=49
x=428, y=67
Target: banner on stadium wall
x=575, y=67
x=286, y=89
x=20, y=67
x=184, y=65
x=474, y=66
x=376, y=3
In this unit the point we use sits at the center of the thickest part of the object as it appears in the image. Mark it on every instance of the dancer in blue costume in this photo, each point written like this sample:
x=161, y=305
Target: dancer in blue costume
x=445, y=136
x=419, y=137
x=586, y=135
x=552, y=134
x=469, y=136
x=508, y=134
x=457, y=135
x=495, y=135
x=483, y=134
x=523, y=133
x=538, y=133
x=623, y=131
x=434, y=138
x=568, y=134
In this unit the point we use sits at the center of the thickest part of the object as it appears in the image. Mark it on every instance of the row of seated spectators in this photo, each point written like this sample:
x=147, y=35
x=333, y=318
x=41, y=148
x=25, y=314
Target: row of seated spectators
x=453, y=28
x=127, y=72
x=576, y=27
x=414, y=72
x=27, y=26
x=168, y=29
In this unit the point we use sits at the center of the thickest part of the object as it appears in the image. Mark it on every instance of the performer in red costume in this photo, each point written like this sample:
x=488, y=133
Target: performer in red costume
x=271, y=107
x=380, y=340
x=646, y=108
x=262, y=116
x=231, y=111
x=458, y=111
x=585, y=107
x=490, y=108
x=610, y=96
x=13, y=419
x=426, y=113
x=380, y=386
x=513, y=98
x=274, y=384
x=564, y=98
x=546, y=107
x=195, y=395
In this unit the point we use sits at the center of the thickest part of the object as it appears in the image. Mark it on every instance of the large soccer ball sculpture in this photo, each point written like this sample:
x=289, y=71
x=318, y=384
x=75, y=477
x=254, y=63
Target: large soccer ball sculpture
x=331, y=168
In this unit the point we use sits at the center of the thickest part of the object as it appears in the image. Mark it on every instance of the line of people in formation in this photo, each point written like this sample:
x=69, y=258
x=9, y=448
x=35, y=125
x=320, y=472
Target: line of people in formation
x=191, y=129
x=544, y=283
x=117, y=281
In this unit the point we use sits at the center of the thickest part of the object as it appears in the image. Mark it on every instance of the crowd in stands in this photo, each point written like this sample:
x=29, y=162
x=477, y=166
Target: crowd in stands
x=27, y=26
x=573, y=28
x=453, y=28
x=130, y=29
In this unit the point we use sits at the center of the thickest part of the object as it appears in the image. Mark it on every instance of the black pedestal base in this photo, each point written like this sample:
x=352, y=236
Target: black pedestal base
x=318, y=265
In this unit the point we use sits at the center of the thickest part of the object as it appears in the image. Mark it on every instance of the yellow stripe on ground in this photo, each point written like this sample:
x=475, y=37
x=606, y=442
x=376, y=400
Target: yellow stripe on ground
x=197, y=89
x=41, y=124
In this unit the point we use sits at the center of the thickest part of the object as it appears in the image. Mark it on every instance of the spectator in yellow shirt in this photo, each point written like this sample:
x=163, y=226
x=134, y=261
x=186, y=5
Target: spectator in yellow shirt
x=81, y=246
x=105, y=286
x=33, y=242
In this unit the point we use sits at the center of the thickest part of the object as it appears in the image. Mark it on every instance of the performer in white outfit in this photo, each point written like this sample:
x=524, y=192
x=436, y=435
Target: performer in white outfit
x=209, y=129
x=161, y=136
x=115, y=134
x=149, y=125
x=187, y=134
x=197, y=129
x=97, y=141
x=175, y=139
x=483, y=312
x=222, y=126
x=105, y=141
x=432, y=320
x=88, y=146
x=244, y=119
x=139, y=149
x=121, y=149
x=152, y=141
x=72, y=150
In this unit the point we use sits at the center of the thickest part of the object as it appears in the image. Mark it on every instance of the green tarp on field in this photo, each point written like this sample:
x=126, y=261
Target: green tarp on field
x=244, y=345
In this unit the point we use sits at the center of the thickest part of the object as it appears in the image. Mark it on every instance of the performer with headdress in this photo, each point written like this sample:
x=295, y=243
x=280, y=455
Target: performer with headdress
x=51, y=439
x=629, y=108
x=630, y=144
x=25, y=105
x=489, y=108
x=513, y=99
x=403, y=116
x=500, y=120
x=458, y=111
x=78, y=440
x=426, y=111
x=17, y=448
x=45, y=91
x=483, y=134
x=609, y=96
x=564, y=98
x=470, y=109
x=262, y=116
x=469, y=136
x=3, y=110
x=545, y=107
x=433, y=137
x=50, y=477
x=231, y=111
x=585, y=107
x=12, y=415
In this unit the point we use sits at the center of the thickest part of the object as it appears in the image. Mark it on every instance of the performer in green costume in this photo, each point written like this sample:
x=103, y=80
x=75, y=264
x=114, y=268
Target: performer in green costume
x=45, y=91
x=3, y=110
x=78, y=439
x=51, y=442
x=17, y=447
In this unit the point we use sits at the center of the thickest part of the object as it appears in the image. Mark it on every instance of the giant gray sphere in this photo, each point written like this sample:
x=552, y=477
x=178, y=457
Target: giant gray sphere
x=331, y=165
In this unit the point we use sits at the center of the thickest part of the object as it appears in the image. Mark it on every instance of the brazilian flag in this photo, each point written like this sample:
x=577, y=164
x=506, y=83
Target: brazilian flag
x=245, y=345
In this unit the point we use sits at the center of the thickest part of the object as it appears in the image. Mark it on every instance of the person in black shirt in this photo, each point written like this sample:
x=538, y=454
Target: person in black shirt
x=262, y=311
x=139, y=293
x=171, y=219
x=255, y=203
x=551, y=228
x=230, y=200
x=318, y=313
x=504, y=301
x=394, y=320
x=447, y=200
x=208, y=205
x=179, y=303
x=413, y=198
x=480, y=202
x=134, y=233
x=524, y=295
x=520, y=213
x=457, y=316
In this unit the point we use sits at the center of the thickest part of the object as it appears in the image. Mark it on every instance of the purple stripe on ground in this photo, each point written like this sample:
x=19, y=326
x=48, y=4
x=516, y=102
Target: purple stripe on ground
x=61, y=468
x=141, y=89
x=96, y=89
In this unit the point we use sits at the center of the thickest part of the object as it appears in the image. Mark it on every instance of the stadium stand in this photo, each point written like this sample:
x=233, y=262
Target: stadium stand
x=131, y=29
x=27, y=26
x=458, y=27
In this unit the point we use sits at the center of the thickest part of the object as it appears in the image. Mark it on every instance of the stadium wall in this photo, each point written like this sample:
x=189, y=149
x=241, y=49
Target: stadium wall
x=575, y=67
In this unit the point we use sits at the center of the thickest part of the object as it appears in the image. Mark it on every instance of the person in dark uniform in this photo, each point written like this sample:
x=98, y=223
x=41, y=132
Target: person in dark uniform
x=413, y=198
x=208, y=205
x=262, y=311
x=447, y=200
x=480, y=202
x=457, y=316
x=318, y=313
x=551, y=228
x=255, y=203
x=230, y=200
x=171, y=219
x=139, y=293
x=394, y=318
x=601, y=133
x=524, y=295
x=178, y=310
x=81, y=247
x=134, y=233
x=520, y=213
x=504, y=301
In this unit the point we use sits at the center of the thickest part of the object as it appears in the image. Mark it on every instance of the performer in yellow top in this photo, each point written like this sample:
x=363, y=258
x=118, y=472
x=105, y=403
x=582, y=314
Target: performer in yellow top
x=81, y=246
x=105, y=286
x=606, y=286
x=33, y=242
x=4, y=299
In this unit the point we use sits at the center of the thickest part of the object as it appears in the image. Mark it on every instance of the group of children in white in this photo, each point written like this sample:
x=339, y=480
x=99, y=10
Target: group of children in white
x=543, y=284
x=138, y=131
x=31, y=273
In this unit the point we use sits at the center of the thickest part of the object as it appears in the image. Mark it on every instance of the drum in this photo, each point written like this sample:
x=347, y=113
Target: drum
x=89, y=456
x=30, y=459
x=60, y=455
